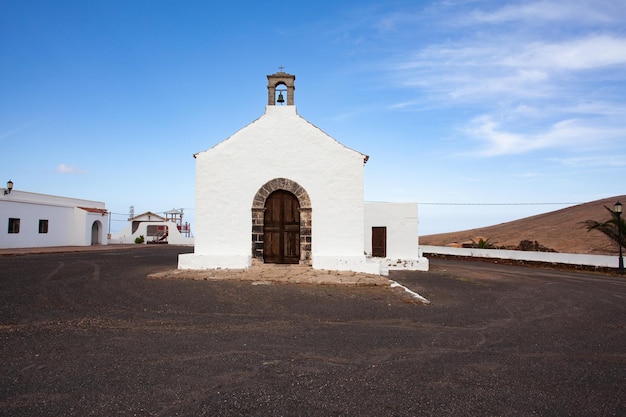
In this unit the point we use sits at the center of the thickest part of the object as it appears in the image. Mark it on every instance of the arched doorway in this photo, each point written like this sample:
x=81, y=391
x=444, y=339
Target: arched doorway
x=95, y=233
x=281, y=228
x=304, y=211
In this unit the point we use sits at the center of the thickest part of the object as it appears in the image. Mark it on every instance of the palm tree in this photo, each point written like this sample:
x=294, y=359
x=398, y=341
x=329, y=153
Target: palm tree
x=482, y=243
x=609, y=227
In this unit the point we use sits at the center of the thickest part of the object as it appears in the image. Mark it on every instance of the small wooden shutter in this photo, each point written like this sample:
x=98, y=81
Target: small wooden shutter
x=379, y=242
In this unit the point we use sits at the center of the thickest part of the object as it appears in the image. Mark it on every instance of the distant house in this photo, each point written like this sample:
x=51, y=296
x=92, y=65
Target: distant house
x=39, y=220
x=155, y=229
x=280, y=190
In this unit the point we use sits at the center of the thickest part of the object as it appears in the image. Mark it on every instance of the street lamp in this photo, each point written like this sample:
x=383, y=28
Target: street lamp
x=9, y=187
x=617, y=209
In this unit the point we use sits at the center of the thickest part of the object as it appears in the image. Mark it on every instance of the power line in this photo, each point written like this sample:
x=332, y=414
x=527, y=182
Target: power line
x=501, y=204
x=157, y=212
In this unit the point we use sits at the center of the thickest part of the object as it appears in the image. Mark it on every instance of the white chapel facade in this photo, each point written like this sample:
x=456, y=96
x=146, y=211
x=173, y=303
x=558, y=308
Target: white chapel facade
x=280, y=190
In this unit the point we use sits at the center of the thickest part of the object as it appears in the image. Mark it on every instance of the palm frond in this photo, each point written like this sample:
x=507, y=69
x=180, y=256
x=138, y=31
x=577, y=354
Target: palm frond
x=610, y=228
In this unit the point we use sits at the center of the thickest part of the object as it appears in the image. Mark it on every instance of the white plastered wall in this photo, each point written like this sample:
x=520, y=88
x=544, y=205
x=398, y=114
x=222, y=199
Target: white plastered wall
x=67, y=224
x=82, y=230
x=280, y=144
x=401, y=221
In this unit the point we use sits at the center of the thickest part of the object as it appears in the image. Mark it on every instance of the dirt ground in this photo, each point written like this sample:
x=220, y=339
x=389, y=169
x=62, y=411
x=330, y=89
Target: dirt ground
x=113, y=333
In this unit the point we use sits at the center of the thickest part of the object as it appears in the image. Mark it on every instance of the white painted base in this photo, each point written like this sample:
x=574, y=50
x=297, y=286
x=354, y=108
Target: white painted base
x=600, y=261
x=195, y=261
x=349, y=263
x=386, y=265
x=362, y=264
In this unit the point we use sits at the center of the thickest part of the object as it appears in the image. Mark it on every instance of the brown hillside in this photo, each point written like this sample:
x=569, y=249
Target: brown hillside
x=560, y=230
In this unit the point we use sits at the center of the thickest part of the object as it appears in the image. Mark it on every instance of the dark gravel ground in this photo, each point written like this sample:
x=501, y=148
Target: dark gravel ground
x=88, y=334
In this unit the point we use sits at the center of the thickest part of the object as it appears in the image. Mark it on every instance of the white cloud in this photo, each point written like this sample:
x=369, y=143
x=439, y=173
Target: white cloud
x=593, y=161
x=69, y=169
x=591, y=52
x=497, y=141
x=572, y=135
x=510, y=71
x=590, y=11
x=526, y=90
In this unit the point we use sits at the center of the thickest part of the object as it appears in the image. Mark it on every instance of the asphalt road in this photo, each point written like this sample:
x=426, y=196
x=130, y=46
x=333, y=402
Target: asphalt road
x=88, y=334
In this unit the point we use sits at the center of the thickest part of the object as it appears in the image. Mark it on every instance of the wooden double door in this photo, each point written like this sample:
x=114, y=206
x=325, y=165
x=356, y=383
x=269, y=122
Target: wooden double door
x=281, y=228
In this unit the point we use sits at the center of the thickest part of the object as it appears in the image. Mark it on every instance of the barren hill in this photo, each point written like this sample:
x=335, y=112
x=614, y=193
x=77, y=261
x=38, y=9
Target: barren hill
x=560, y=230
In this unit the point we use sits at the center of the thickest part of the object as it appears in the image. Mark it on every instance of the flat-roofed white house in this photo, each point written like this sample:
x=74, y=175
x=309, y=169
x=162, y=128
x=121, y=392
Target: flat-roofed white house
x=280, y=190
x=39, y=220
x=155, y=229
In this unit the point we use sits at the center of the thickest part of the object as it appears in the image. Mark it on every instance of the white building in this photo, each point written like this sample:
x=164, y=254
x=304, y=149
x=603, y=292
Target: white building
x=37, y=220
x=155, y=229
x=282, y=191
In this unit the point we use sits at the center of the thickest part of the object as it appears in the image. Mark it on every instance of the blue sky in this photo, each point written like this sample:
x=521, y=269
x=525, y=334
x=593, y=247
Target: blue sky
x=481, y=111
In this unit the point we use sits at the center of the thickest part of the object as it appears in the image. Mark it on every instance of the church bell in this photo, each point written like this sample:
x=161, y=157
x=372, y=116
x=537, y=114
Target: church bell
x=280, y=98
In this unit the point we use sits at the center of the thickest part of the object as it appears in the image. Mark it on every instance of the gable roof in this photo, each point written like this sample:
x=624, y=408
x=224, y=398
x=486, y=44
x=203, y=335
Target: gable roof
x=148, y=216
x=288, y=113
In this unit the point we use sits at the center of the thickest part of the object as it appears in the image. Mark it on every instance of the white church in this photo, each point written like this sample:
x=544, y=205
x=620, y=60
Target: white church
x=282, y=191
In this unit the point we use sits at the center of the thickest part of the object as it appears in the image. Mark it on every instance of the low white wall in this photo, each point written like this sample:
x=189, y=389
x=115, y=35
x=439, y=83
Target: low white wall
x=174, y=237
x=550, y=257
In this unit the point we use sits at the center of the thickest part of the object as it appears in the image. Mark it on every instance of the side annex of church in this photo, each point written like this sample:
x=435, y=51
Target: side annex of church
x=280, y=190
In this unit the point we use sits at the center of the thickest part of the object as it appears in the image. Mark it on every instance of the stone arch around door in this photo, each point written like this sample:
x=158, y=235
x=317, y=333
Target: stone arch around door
x=258, y=214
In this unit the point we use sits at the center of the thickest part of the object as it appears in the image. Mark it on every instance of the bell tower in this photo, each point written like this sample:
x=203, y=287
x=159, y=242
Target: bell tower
x=280, y=82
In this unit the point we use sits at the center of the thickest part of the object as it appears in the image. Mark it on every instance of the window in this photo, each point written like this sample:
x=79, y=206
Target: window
x=43, y=226
x=156, y=230
x=14, y=225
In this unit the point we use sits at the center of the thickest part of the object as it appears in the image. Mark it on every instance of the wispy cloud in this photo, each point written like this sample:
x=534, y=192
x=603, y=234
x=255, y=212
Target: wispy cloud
x=593, y=161
x=474, y=72
x=582, y=11
x=4, y=135
x=570, y=134
x=69, y=169
x=529, y=89
x=590, y=52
